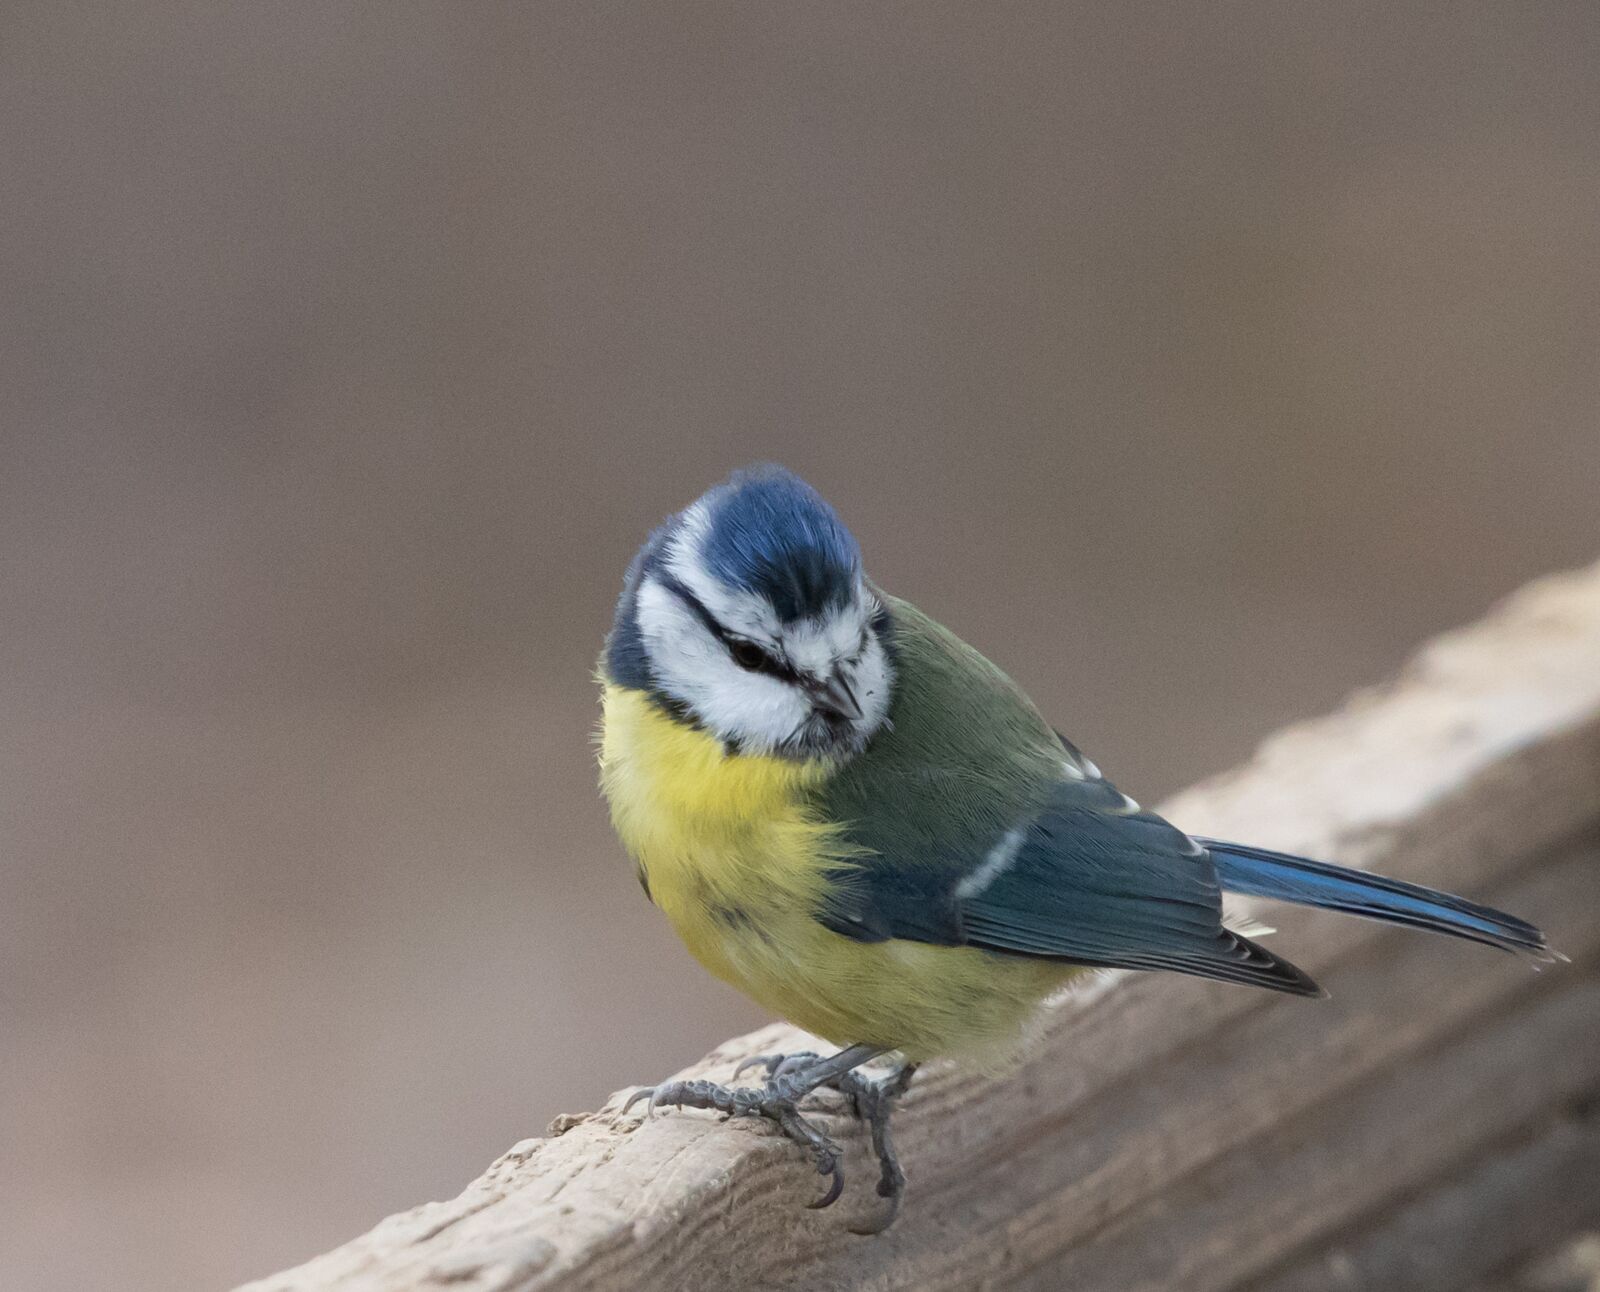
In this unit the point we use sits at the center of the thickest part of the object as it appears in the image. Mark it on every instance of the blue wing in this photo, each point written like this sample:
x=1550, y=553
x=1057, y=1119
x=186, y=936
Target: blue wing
x=1090, y=879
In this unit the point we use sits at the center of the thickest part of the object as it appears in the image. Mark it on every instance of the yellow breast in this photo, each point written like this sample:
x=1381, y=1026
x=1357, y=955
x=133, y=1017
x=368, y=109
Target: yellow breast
x=725, y=842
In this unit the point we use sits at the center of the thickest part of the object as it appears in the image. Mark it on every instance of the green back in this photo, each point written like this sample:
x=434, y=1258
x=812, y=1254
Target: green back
x=964, y=758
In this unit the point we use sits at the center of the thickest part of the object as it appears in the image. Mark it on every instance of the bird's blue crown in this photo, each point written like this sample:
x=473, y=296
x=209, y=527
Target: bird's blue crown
x=772, y=534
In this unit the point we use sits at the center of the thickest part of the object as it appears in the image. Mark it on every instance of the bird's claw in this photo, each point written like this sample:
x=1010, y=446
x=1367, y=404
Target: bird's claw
x=774, y=1065
x=788, y=1079
x=835, y=1172
x=874, y=1101
x=766, y=1062
x=776, y=1101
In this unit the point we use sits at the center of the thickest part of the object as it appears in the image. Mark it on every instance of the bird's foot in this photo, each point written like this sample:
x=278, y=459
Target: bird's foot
x=873, y=1101
x=776, y=1101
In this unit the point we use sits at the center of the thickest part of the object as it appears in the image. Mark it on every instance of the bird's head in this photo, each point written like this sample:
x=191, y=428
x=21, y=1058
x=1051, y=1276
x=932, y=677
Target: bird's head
x=748, y=614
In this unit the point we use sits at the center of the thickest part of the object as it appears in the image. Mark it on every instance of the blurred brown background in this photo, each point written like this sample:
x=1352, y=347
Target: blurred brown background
x=1195, y=361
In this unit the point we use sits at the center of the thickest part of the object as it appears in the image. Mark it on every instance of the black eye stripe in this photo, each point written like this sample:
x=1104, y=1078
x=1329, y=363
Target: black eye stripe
x=694, y=603
x=766, y=664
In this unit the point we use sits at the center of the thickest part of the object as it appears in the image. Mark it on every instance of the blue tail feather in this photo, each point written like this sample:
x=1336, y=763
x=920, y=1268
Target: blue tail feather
x=1257, y=872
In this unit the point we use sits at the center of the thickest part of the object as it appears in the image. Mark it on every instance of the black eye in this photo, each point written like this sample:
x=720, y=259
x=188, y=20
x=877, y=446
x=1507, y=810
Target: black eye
x=747, y=655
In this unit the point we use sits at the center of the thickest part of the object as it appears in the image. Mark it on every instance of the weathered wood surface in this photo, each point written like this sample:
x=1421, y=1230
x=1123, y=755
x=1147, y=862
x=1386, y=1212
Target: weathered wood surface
x=1431, y=1124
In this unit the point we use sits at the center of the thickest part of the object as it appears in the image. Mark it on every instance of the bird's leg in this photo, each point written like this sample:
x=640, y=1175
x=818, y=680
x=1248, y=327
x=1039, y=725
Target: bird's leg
x=873, y=1101
x=777, y=1101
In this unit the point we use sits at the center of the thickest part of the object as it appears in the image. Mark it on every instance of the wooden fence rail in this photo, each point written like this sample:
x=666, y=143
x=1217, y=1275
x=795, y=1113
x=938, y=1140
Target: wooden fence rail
x=1438, y=1119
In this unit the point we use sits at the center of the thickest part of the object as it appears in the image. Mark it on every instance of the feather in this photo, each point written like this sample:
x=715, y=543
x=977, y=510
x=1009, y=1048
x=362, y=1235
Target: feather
x=1258, y=872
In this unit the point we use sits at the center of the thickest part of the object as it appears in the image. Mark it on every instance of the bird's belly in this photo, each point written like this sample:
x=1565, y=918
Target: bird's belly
x=921, y=999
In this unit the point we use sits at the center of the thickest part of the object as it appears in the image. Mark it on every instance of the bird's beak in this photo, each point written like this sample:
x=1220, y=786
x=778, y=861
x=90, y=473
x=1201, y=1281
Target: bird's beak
x=833, y=695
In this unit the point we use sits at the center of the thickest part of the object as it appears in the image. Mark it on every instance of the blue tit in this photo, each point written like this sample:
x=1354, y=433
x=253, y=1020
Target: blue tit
x=859, y=821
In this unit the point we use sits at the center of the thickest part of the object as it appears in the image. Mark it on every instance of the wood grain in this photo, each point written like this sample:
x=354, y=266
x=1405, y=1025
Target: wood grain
x=1162, y=1133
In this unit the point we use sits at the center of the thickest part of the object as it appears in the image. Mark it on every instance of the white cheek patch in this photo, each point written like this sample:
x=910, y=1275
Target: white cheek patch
x=758, y=711
x=871, y=679
x=694, y=668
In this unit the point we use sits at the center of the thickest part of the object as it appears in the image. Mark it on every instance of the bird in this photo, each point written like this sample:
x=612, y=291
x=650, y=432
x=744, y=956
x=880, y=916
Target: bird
x=856, y=819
